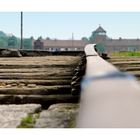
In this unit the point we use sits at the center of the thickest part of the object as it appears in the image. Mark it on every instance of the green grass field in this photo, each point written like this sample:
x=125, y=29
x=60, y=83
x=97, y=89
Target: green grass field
x=130, y=53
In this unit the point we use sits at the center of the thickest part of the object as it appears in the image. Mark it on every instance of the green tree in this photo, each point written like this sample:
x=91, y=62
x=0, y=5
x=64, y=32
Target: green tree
x=12, y=42
x=3, y=43
x=85, y=39
x=32, y=37
x=3, y=40
x=40, y=38
x=27, y=43
x=47, y=38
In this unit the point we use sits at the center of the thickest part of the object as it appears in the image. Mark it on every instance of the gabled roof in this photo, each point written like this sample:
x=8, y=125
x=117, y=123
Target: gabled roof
x=100, y=29
x=64, y=43
x=123, y=42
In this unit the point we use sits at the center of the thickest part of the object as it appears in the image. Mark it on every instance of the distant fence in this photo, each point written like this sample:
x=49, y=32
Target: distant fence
x=109, y=98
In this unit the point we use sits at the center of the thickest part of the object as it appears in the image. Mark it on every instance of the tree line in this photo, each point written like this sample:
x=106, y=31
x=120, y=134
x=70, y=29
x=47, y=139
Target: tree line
x=11, y=41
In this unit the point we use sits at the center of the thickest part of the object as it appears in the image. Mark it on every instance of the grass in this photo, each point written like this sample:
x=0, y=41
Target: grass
x=129, y=53
x=72, y=123
x=29, y=121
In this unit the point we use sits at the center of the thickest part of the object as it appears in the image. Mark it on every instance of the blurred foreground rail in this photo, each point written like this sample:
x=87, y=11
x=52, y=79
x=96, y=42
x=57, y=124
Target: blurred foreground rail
x=109, y=97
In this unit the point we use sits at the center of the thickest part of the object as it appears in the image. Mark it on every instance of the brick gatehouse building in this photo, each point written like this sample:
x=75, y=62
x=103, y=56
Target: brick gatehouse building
x=99, y=37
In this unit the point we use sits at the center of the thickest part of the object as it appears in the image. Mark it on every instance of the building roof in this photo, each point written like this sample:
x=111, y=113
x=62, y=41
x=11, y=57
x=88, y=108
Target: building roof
x=100, y=29
x=123, y=42
x=64, y=43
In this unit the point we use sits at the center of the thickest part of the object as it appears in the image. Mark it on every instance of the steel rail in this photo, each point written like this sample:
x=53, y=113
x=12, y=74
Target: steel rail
x=109, y=98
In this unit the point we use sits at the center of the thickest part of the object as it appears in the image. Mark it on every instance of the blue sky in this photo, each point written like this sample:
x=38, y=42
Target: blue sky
x=61, y=25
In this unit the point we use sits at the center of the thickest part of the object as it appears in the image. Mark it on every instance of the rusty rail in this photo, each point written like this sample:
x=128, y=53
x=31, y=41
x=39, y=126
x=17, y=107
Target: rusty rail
x=109, y=98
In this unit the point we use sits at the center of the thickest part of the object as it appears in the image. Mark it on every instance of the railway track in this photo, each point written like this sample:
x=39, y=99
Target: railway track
x=38, y=91
x=44, y=89
x=130, y=65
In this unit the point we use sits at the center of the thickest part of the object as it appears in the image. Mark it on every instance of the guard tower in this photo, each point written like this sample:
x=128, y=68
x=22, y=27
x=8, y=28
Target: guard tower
x=99, y=35
x=100, y=31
